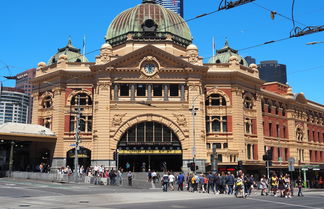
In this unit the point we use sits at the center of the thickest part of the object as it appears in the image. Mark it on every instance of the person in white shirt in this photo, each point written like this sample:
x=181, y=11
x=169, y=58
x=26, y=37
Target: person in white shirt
x=171, y=181
x=154, y=176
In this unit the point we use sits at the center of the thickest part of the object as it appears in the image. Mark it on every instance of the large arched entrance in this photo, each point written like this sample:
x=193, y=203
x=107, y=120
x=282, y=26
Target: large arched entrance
x=84, y=157
x=150, y=145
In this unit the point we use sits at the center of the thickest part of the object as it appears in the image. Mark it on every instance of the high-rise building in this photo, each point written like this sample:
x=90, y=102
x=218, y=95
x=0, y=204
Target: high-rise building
x=173, y=5
x=271, y=71
x=14, y=105
x=250, y=60
x=23, y=83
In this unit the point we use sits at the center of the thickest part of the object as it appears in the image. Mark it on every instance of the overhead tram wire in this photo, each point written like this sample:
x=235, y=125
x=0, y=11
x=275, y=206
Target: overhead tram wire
x=224, y=5
x=277, y=13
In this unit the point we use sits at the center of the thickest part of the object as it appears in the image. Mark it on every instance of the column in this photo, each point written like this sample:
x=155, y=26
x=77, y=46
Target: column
x=116, y=92
x=149, y=92
x=132, y=92
x=166, y=92
x=182, y=86
x=275, y=154
x=255, y=152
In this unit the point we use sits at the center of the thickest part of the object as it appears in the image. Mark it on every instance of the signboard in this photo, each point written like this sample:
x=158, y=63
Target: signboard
x=310, y=167
x=291, y=162
x=141, y=152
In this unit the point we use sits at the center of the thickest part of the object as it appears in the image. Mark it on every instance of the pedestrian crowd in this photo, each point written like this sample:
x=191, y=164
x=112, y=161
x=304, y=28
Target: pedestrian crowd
x=240, y=185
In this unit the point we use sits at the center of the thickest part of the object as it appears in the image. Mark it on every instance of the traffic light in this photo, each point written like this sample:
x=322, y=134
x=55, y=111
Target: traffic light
x=240, y=164
x=192, y=166
x=269, y=154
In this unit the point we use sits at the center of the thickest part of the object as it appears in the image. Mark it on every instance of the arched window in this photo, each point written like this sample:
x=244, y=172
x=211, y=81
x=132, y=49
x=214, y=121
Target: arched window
x=299, y=134
x=47, y=102
x=85, y=99
x=149, y=133
x=215, y=100
x=248, y=102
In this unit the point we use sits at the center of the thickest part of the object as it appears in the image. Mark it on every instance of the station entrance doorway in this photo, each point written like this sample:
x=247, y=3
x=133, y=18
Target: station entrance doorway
x=149, y=145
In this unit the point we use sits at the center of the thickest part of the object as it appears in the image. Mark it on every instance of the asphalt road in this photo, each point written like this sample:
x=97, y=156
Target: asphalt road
x=33, y=194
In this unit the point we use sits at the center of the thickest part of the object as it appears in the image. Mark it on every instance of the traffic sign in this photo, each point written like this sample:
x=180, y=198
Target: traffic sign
x=72, y=145
x=291, y=159
x=291, y=162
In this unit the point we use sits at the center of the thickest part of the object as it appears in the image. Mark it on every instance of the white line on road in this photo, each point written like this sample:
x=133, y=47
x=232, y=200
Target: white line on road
x=153, y=185
x=282, y=203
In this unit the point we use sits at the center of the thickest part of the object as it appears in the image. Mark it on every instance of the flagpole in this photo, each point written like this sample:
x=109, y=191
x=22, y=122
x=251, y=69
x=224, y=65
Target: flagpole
x=213, y=46
x=84, y=48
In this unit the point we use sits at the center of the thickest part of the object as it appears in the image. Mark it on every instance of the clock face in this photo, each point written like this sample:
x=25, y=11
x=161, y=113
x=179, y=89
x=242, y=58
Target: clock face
x=149, y=68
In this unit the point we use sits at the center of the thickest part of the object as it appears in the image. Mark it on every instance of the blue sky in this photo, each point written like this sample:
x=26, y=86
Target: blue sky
x=31, y=31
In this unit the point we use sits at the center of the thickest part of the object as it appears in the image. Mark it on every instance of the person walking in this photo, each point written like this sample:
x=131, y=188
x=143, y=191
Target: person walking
x=211, y=184
x=264, y=185
x=171, y=181
x=230, y=183
x=180, y=180
x=165, y=182
x=130, y=178
x=299, y=183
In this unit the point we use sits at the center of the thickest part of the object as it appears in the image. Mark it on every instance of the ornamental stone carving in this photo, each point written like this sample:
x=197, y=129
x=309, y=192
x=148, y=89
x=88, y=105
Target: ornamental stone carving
x=104, y=86
x=181, y=119
x=192, y=53
x=106, y=52
x=118, y=119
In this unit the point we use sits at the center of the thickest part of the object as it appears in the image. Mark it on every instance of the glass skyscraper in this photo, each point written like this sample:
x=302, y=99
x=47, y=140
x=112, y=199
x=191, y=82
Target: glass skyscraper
x=173, y=5
x=14, y=105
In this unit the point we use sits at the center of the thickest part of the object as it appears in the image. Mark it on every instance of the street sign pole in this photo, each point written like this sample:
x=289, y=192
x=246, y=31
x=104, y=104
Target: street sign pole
x=268, y=170
x=77, y=141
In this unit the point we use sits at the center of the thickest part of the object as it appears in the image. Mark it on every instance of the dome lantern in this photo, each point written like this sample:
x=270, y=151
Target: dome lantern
x=72, y=53
x=224, y=55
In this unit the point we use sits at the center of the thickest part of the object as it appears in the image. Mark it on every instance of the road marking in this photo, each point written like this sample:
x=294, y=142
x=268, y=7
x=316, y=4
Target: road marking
x=282, y=203
x=177, y=206
x=153, y=185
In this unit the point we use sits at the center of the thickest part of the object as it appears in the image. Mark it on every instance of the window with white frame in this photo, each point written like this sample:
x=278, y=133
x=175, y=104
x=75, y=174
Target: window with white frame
x=216, y=124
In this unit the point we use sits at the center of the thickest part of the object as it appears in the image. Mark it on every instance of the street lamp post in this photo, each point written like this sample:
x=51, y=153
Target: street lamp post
x=193, y=112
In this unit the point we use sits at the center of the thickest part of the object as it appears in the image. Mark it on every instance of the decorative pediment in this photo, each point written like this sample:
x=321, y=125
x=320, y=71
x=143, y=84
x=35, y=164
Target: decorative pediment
x=133, y=60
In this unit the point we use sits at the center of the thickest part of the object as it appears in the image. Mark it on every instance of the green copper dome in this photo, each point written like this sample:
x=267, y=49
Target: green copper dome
x=73, y=54
x=223, y=56
x=148, y=22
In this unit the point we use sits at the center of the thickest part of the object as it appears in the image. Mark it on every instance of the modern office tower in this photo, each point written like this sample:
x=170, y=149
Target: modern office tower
x=250, y=60
x=23, y=83
x=174, y=5
x=272, y=71
x=14, y=105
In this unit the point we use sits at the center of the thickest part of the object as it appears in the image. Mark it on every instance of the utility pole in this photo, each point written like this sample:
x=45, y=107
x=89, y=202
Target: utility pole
x=193, y=112
x=11, y=157
x=214, y=160
x=77, y=141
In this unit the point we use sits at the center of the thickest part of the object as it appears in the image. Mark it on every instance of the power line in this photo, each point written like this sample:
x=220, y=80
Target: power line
x=277, y=13
x=224, y=5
